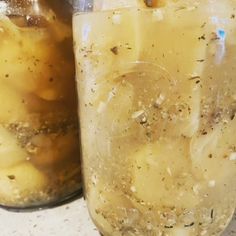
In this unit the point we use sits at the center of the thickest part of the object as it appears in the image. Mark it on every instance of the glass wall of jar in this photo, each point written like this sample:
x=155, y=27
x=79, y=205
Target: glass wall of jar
x=157, y=101
x=39, y=142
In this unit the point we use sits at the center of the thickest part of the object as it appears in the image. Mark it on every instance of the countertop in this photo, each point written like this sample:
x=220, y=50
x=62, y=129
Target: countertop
x=68, y=220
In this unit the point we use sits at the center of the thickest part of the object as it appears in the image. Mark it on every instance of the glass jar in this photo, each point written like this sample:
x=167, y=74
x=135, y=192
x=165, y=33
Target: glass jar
x=39, y=151
x=157, y=102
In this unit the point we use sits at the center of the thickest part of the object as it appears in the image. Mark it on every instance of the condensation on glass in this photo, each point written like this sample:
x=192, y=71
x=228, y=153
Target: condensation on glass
x=157, y=102
x=39, y=141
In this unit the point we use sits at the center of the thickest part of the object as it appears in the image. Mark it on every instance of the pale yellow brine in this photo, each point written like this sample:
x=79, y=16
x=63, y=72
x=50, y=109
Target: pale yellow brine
x=157, y=103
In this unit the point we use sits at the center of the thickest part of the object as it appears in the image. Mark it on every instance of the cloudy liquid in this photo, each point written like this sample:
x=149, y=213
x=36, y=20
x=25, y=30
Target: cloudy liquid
x=157, y=104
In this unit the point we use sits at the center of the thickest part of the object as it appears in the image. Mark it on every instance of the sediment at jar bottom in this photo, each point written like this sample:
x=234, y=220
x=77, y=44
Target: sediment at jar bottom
x=39, y=151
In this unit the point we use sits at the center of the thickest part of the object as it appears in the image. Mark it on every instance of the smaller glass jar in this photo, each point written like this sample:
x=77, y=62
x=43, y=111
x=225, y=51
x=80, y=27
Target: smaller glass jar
x=39, y=151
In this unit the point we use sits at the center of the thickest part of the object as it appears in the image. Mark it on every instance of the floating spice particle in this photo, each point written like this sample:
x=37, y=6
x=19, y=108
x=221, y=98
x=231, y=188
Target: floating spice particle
x=180, y=8
x=203, y=25
x=201, y=60
x=210, y=155
x=212, y=213
x=214, y=36
x=198, y=81
x=194, y=77
x=6, y=75
x=232, y=16
x=225, y=156
x=11, y=177
x=190, y=225
x=232, y=116
x=202, y=37
x=114, y=50
x=169, y=226
x=204, y=133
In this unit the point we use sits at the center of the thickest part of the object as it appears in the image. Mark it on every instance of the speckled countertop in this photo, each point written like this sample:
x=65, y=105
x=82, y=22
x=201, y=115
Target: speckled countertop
x=68, y=220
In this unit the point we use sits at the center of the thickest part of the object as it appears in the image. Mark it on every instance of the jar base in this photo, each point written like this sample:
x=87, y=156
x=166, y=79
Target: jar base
x=67, y=199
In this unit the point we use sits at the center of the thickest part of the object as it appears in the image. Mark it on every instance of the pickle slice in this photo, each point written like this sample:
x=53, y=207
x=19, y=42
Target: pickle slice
x=10, y=151
x=161, y=175
x=22, y=181
x=213, y=153
x=13, y=108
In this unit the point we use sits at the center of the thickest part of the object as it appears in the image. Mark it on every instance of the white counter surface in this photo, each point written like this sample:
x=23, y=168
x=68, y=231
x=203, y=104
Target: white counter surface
x=68, y=220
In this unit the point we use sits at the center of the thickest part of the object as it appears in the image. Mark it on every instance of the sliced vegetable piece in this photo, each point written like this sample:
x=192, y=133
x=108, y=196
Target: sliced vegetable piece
x=161, y=177
x=22, y=182
x=13, y=106
x=11, y=153
x=44, y=72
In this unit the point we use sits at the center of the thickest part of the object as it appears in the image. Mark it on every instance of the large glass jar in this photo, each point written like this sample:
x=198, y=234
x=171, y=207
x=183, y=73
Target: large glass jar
x=157, y=102
x=39, y=144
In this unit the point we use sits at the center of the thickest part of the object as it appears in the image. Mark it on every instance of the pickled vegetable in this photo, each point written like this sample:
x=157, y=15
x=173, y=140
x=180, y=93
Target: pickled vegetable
x=11, y=153
x=22, y=183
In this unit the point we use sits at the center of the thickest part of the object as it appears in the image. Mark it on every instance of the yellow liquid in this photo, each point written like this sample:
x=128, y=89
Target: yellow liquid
x=39, y=151
x=157, y=104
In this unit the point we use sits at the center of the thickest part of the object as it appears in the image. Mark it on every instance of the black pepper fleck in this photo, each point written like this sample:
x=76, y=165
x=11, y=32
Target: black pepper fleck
x=114, y=50
x=11, y=177
x=189, y=225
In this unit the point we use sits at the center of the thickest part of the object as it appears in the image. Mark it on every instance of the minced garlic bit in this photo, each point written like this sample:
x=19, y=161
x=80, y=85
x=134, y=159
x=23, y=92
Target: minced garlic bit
x=204, y=232
x=160, y=100
x=137, y=114
x=133, y=189
x=212, y=183
x=196, y=188
x=169, y=171
x=101, y=107
x=232, y=156
x=157, y=15
x=116, y=18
